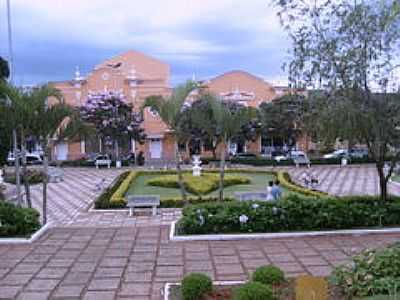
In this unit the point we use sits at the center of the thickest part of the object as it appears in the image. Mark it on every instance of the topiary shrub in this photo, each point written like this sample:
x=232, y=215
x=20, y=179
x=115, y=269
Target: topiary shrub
x=195, y=285
x=34, y=176
x=253, y=291
x=268, y=275
x=17, y=221
x=198, y=185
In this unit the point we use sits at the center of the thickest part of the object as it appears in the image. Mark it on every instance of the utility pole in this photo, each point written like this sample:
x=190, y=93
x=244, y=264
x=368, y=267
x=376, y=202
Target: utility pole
x=11, y=79
x=10, y=47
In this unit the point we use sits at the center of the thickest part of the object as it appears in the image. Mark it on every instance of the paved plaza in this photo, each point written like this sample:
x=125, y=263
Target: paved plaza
x=109, y=255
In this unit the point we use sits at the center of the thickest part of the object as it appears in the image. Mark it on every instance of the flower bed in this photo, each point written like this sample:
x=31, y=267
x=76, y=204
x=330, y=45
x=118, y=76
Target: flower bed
x=198, y=185
x=114, y=196
x=266, y=283
x=16, y=221
x=373, y=272
x=294, y=213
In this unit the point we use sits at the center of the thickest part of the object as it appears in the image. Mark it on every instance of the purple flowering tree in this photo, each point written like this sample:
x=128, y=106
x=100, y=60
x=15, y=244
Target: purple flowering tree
x=113, y=118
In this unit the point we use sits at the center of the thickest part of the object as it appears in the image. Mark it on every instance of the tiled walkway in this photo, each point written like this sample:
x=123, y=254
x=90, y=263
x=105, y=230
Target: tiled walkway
x=109, y=255
x=134, y=263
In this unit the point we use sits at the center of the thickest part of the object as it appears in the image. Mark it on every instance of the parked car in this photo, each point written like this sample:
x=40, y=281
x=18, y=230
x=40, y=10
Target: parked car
x=280, y=157
x=359, y=153
x=300, y=158
x=244, y=156
x=102, y=160
x=31, y=159
x=341, y=153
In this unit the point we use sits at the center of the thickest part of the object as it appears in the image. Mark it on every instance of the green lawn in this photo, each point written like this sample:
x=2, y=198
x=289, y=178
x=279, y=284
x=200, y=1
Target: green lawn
x=259, y=182
x=396, y=178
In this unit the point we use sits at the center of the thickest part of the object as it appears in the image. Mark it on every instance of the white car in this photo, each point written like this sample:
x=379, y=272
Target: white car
x=337, y=154
x=102, y=160
x=31, y=159
x=300, y=158
x=279, y=158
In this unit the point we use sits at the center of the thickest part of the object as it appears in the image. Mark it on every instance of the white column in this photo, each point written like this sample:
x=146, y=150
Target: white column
x=83, y=147
x=133, y=146
x=100, y=146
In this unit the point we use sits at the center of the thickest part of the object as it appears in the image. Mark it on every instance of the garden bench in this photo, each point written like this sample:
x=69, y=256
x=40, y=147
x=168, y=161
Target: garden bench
x=247, y=196
x=143, y=201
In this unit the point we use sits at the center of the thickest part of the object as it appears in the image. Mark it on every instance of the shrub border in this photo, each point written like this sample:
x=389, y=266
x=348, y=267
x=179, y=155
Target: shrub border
x=173, y=236
x=167, y=287
x=42, y=230
x=282, y=176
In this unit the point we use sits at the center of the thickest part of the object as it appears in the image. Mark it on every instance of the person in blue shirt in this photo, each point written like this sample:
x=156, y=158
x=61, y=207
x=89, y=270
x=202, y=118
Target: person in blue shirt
x=276, y=190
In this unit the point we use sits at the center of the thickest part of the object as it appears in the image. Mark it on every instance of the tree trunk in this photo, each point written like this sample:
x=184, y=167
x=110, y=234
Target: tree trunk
x=180, y=177
x=222, y=173
x=382, y=182
x=25, y=172
x=45, y=179
x=17, y=168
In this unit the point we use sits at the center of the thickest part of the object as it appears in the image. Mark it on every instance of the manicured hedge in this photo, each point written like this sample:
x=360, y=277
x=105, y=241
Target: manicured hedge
x=286, y=182
x=17, y=221
x=197, y=185
x=293, y=213
x=113, y=197
x=103, y=201
x=34, y=176
x=85, y=163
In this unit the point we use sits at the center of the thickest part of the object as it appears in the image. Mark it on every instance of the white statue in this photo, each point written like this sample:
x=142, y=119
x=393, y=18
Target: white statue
x=196, y=165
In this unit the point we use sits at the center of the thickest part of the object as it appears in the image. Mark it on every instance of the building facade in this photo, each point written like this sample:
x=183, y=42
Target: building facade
x=138, y=76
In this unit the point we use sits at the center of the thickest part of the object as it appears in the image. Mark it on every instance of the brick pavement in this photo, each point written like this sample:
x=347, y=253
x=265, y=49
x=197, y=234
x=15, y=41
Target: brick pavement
x=135, y=262
x=107, y=255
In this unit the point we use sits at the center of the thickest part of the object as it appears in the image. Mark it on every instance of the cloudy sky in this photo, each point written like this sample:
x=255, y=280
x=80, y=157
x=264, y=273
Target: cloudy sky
x=205, y=37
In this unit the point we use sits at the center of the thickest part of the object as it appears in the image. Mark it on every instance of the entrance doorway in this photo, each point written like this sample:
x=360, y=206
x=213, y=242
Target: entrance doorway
x=155, y=148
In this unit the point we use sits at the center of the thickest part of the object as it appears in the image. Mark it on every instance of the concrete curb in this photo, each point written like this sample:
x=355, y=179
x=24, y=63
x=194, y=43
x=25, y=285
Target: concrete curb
x=34, y=237
x=167, y=287
x=275, y=235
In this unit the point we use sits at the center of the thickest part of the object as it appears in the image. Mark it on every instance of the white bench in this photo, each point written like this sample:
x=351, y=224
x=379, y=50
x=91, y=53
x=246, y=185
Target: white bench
x=248, y=196
x=143, y=201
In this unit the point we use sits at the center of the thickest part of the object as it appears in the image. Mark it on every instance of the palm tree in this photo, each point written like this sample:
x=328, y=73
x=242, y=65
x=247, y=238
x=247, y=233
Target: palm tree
x=16, y=116
x=49, y=113
x=229, y=124
x=170, y=109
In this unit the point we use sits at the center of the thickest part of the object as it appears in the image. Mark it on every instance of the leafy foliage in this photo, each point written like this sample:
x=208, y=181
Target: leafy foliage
x=282, y=118
x=198, y=185
x=370, y=273
x=17, y=221
x=4, y=69
x=347, y=50
x=253, y=291
x=104, y=200
x=195, y=286
x=288, y=215
x=269, y=275
x=112, y=117
x=34, y=176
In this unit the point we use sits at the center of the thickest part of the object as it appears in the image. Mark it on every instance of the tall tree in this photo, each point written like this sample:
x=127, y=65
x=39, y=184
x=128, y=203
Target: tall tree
x=281, y=118
x=199, y=121
x=4, y=69
x=348, y=50
x=113, y=118
x=48, y=114
x=229, y=123
x=171, y=111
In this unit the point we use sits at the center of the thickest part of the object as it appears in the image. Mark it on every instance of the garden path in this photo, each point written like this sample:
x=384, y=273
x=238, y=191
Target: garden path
x=135, y=262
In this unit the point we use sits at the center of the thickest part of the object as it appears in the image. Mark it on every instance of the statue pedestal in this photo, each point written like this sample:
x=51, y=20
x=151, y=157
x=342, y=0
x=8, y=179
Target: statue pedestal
x=196, y=165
